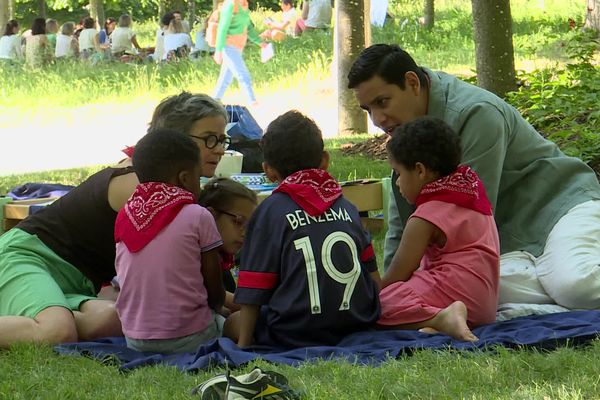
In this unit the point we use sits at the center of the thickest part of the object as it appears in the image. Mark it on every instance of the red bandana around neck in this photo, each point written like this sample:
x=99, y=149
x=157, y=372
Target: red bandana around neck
x=312, y=189
x=462, y=187
x=150, y=208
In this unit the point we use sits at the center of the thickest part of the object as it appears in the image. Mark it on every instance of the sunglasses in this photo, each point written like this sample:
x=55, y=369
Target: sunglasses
x=239, y=221
x=211, y=141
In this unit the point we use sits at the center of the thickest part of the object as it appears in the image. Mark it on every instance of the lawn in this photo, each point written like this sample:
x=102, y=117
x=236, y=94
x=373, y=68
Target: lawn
x=559, y=96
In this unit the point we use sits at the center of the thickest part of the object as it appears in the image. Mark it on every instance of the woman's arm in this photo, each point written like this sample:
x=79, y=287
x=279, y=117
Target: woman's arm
x=417, y=235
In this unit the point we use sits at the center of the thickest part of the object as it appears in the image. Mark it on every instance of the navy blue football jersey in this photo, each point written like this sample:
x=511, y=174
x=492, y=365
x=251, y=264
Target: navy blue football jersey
x=310, y=273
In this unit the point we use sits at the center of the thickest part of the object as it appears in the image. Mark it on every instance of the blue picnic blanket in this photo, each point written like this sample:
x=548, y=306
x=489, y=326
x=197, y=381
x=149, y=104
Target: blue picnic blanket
x=367, y=348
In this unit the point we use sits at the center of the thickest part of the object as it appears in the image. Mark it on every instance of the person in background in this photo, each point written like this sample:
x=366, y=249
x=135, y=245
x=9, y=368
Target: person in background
x=109, y=26
x=178, y=43
x=278, y=30
x=89, y=40
x=161, y=32
x=234, y=30
x=51, y=31
x=37, y=48
x=67, y=45
x=10, y=42
x=316, y=14
x=167, y=251
x=179, y=16
x=54, y=263
x=123, y=39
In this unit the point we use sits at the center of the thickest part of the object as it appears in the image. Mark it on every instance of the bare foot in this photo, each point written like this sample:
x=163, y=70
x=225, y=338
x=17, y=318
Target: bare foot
x=452, y=321
x=429, y=330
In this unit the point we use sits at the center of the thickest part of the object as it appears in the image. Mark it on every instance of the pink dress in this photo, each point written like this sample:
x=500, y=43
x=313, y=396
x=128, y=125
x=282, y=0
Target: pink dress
x=465, y=269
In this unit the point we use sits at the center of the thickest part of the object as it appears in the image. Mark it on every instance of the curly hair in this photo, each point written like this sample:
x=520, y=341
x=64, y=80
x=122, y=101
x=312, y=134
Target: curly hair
x=162, y=153
x=427, y=140
x=181, y=111
x=292, y=142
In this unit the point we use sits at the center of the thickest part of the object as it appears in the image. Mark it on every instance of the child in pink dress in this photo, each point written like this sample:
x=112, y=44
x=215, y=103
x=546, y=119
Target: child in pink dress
x=444, y=274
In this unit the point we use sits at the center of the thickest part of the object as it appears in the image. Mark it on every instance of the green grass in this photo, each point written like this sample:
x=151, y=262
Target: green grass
x=29, y=372
x=560, y=101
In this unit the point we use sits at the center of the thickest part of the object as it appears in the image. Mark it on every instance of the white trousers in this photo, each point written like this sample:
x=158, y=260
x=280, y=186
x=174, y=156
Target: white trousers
x=567, y=273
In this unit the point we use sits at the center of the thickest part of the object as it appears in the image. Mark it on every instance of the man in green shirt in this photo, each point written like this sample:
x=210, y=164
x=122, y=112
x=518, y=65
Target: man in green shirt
x=546, y=205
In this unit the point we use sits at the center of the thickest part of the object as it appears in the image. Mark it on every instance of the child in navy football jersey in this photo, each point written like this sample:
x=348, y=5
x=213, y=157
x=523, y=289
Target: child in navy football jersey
x=308, y=272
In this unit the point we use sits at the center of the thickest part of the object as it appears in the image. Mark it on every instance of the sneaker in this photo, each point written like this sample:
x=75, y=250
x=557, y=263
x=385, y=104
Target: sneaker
x=215, y=388
x=259, y=385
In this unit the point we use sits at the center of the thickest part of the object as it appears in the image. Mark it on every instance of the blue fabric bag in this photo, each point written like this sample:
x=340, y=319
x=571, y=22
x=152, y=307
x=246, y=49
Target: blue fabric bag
x=241, y=125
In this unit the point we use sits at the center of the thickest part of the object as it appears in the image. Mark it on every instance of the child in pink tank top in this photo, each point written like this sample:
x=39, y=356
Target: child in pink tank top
x=444, y=274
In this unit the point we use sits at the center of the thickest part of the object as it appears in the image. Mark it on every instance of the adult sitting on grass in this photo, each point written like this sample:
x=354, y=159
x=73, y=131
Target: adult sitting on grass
x=38, y=51
x=53, y=264
x=123, y=39
x=10, y=42
x=546, y=205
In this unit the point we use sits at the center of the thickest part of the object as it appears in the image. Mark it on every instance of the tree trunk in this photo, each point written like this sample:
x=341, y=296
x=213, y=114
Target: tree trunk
x=368, y=36
x=349, y=41
x=41, y=8
x=592, y=16
x=11, y=9
x=4, y=15
x=161, y=9
x=191, y=13
x=428, y=14
x=494, y=53
x=97, y=12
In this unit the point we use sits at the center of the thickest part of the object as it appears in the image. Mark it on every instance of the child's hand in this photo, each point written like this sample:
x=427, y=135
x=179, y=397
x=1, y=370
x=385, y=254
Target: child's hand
x=224, y=311
x=263, y=44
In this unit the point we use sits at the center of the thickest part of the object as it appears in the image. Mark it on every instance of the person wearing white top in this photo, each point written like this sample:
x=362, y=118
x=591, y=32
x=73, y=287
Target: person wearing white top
x=123, y=39
x=10, y=42
x=161, y=32
x=278, y=30
x=89, y=39
x=176, y=38
x=316, y=14
x=66, y=45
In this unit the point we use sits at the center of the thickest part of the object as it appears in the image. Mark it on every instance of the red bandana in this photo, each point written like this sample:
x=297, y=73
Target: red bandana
x=150, y=208
x=128, y=150
x=227, y=260
x=462, y=187
x=312, y=189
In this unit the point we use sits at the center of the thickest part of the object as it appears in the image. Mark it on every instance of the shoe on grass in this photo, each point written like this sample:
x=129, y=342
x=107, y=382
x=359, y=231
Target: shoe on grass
x=259, y=385
x=216, y=387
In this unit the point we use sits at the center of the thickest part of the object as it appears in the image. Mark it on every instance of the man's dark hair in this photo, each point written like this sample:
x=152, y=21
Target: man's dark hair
x=162, y=153
x=166, y=19
x=288, y=2
x=38, y=26
x=292, y=142
x=427, y=140
x=89, y=23
x=389, y=62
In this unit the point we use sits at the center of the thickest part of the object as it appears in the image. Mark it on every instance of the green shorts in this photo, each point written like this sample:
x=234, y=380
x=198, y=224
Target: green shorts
x=33, y=277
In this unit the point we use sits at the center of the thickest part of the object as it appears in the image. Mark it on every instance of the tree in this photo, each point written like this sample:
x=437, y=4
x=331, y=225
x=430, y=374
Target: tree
x=592, y=17
x=428, y=14
x=349, y=41
x=11, y=9
x=97, y=12
x=41, y=8
x=4, y=15
x=494, y=53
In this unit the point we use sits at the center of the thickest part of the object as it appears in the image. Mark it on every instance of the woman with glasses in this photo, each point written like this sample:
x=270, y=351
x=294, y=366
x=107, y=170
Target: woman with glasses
x=55, y=262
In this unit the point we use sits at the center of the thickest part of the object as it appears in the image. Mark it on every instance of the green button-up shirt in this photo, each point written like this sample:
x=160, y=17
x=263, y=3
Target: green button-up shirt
x=529, y=181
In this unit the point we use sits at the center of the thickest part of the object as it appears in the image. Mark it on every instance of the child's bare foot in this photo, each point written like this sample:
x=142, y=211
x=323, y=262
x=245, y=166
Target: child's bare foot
x=452, y=321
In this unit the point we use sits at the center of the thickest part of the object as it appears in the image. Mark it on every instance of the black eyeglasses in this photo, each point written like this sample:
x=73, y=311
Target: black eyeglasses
x=211, y=141
x=240, y=221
